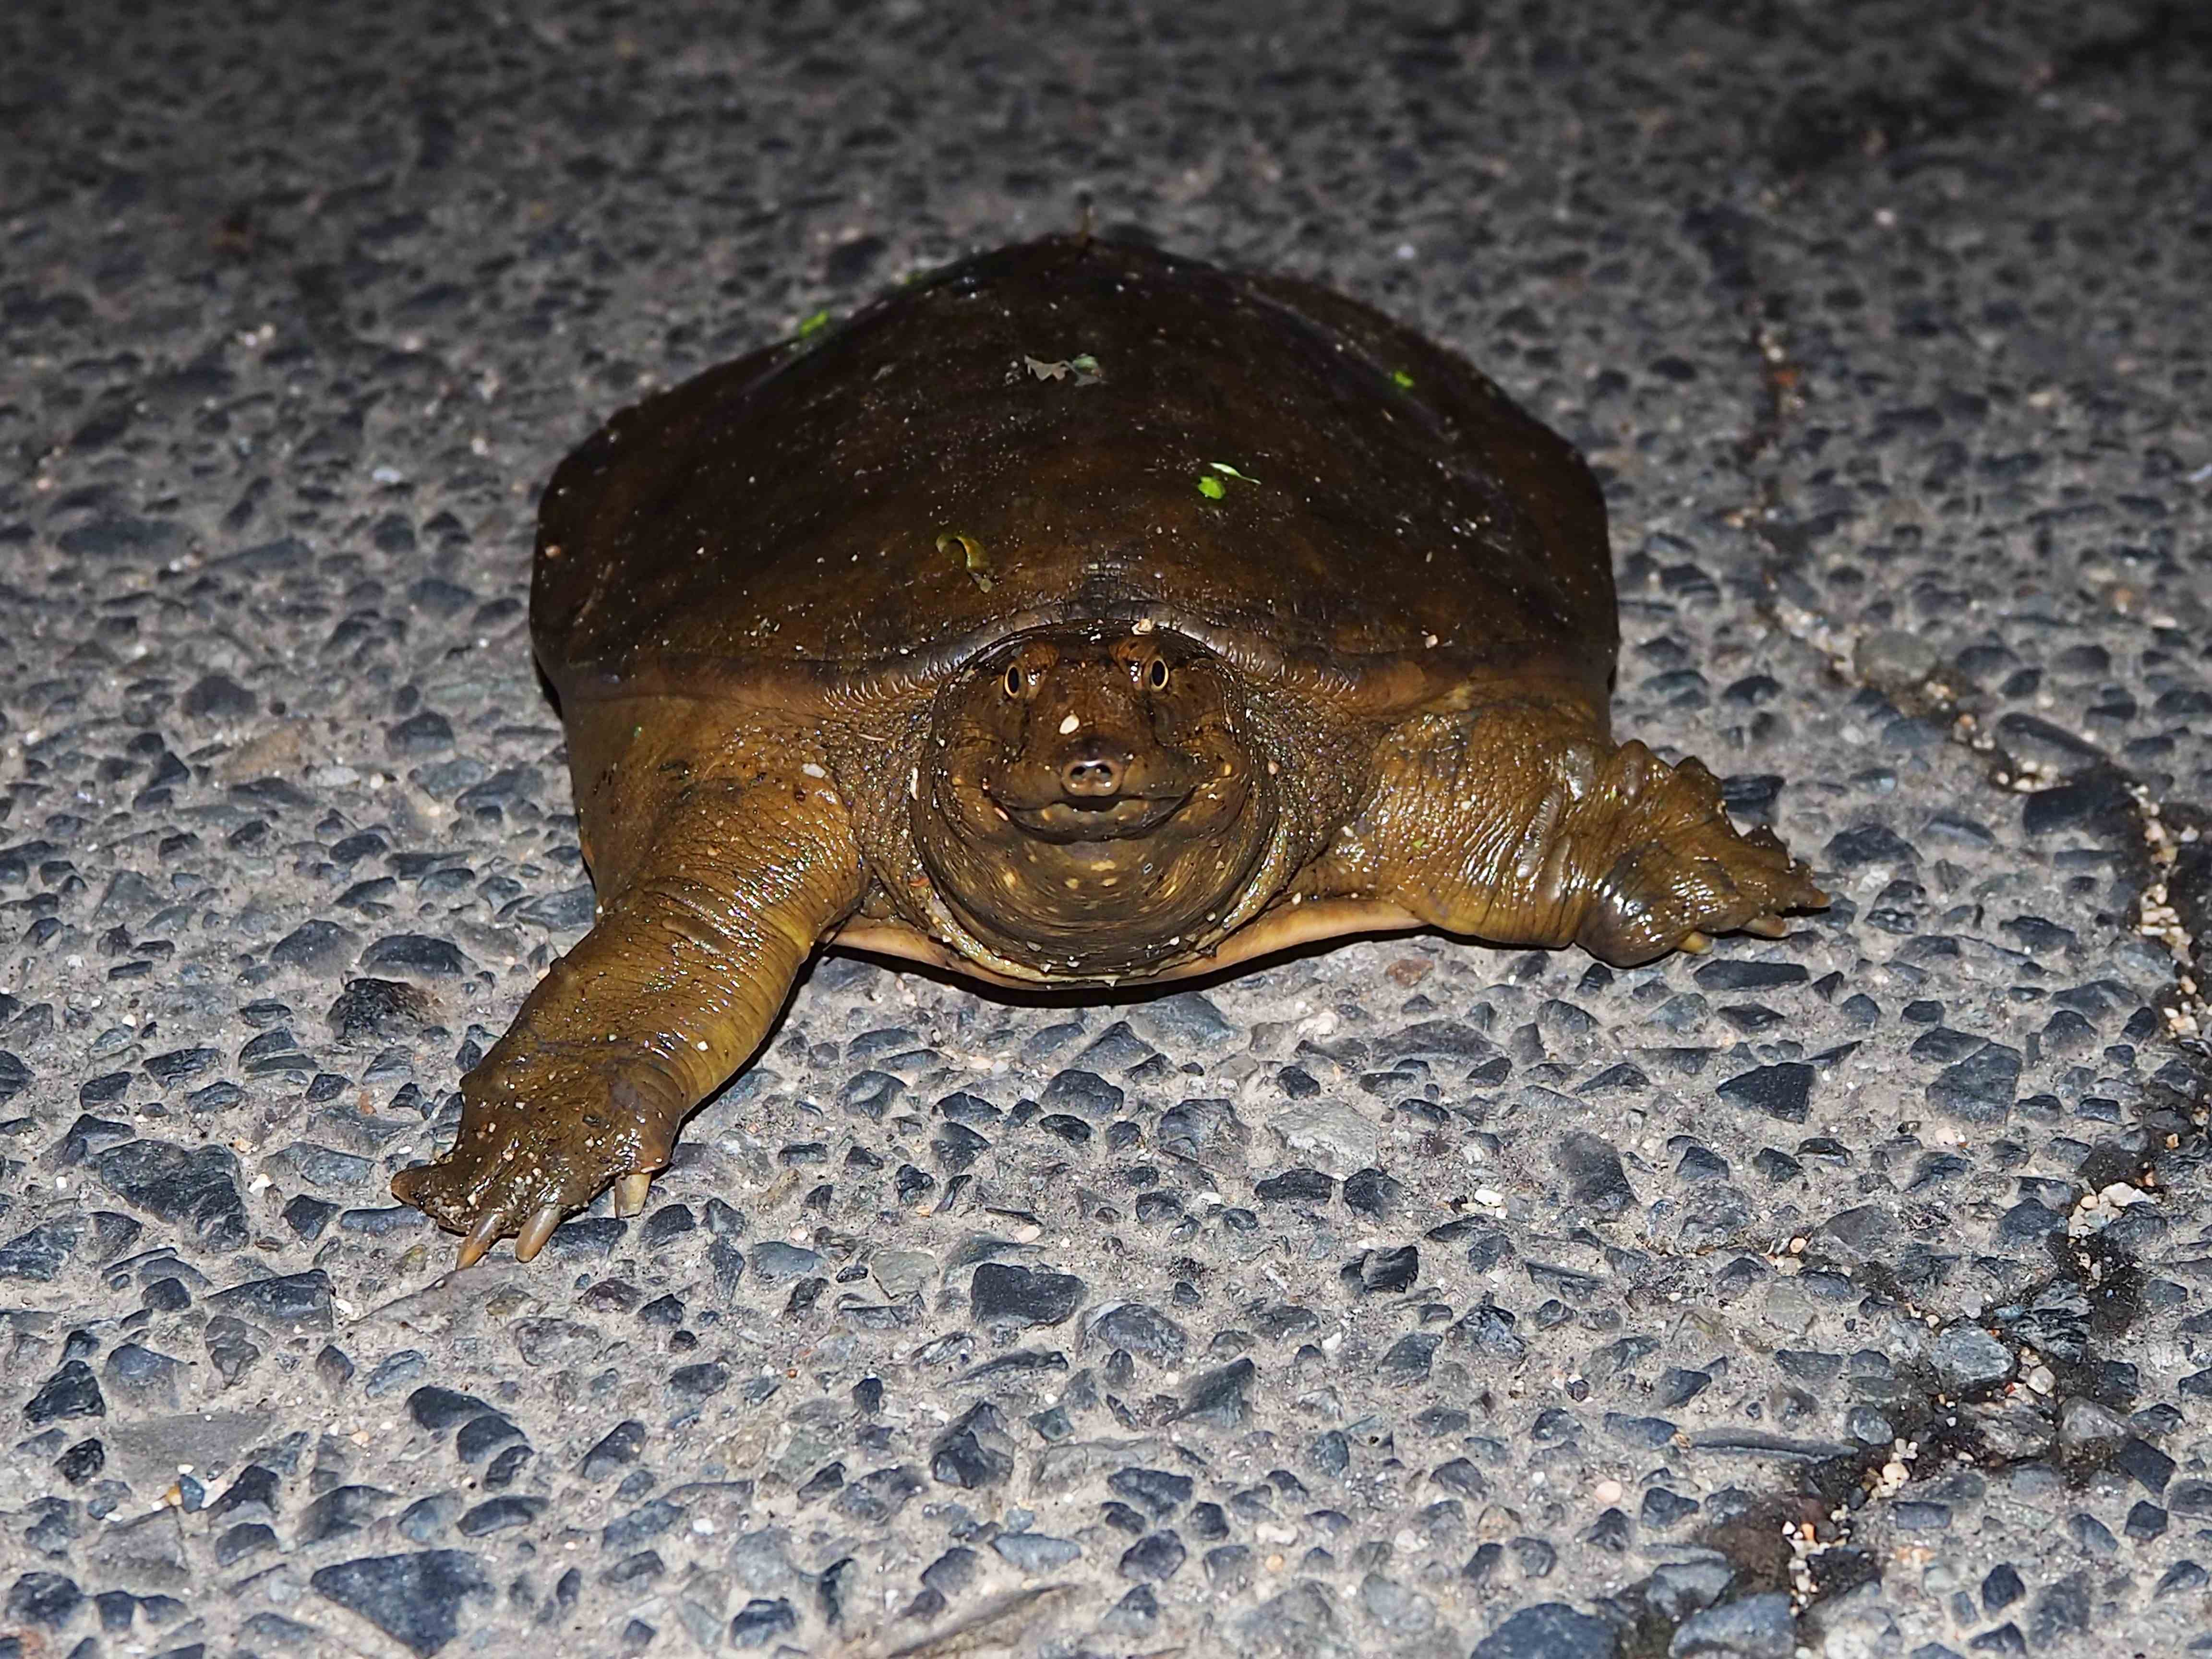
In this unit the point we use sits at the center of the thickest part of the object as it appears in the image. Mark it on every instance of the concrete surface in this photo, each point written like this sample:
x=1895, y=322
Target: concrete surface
x=1847, y=1294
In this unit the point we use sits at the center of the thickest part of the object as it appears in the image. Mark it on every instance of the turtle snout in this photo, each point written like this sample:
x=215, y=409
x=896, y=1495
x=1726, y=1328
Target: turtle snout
x=1096, y=771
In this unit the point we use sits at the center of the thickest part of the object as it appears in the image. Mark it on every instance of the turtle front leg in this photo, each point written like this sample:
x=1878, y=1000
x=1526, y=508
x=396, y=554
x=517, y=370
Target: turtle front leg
x=667, y=995
x=1523, y=827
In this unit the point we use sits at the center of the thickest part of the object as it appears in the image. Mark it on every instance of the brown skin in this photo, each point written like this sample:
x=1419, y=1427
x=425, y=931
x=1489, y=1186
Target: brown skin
x=893, y=642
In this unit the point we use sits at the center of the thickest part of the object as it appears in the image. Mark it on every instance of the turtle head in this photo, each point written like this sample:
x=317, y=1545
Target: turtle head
x=1092, y=805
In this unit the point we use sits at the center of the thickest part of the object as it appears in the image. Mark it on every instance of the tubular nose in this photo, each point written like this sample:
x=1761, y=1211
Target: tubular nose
x=1094, y=774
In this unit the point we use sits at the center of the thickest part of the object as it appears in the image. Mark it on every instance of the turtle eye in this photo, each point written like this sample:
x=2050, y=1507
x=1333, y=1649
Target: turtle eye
x=1014, y=679
x=1156, y=676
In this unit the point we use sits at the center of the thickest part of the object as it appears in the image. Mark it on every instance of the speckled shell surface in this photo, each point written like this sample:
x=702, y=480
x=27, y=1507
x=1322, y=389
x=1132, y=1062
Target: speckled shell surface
x=878, y=503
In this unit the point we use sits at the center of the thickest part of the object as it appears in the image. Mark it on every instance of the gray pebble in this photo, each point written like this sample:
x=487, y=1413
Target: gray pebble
x=1549, y=1630
x=1755, y=1627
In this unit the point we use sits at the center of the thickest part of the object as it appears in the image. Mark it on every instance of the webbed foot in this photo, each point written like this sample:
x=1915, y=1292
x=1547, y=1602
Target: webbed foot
x=1684, y=873
x=542, y=1136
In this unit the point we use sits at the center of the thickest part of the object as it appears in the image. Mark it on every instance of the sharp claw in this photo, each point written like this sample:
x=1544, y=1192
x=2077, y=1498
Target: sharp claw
x=1696, y=942
x=535, y=1232
x=630, y=1191
x=482, y=1237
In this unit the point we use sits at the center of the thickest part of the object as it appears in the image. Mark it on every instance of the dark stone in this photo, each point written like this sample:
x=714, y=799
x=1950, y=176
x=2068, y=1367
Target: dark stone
x=72, y=1391
x=1122, y=1518
x=218, y=696
x=423, y=732
x=1942, y=1045
x=1298, y=1186
x=1595, y=1177
x=1461, y=1476
x=415, y=1599
x=879, y=1495
x=615, y=1449
x=1968, y=1359
x=1409, y=1358
x=2028, y=1222
x=313, y=947
x=1189, y=1017
x=82, y=1461
x=1158, y=1492
x=1866, y=843
x=1448, y=1039
x=498, y=1514
x=2181, y=1578
x=1863, y=1233
x=2148, y=1467
x=340, y=1510
x=1000, y=1294
x=2062, y=1608
x=140, y=1375
x=1372, y=1193
x=481, y=1437
x=2096, y=800
x=2146, y=1521
x=181, y=1065
x=1207, y=1130
x=1154, y=1559
x=1036, y=1551
x=700, y=1382
x=627, y=1532
x=953, y=1572
x=438, y=1408
x=1139, y=1329
x=1229, y=1568
x=1662, y=1507
x=418, y=953
x=1550, y=1630
x=251, y=1495
x=760, y=1622
x=1220, y=1396
x=40, y=1255
x=970, y=1452
x=1741, y=974
x=231, y=1348
x=1980, y=1089
x=926, y=1605
x=572, y=909
x=282, y=1302
x=247, y=1538
x=1388, y=1272
x=1488, y=1328
x=1783, y=1091
x=1018, y=1362
x=1759, y=1626
x=1085, y=1093
x=772, y=1262
x=50, y=1599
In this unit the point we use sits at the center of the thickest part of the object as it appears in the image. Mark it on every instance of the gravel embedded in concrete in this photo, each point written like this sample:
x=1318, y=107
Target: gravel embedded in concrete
x=1841, y=1292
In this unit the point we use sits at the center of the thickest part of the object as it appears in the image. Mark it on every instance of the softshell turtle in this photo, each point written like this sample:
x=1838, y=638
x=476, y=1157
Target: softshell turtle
x=1079, y=614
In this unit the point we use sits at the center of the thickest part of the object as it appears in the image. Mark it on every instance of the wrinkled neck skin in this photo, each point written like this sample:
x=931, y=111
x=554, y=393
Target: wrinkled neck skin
x=1090, y=805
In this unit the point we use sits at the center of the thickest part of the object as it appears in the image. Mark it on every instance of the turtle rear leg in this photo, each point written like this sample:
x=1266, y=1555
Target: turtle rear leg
x=1524, y=826
x=666, y=996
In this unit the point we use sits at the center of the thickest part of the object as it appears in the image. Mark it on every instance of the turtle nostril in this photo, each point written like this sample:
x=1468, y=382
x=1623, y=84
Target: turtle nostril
x=1093, y=777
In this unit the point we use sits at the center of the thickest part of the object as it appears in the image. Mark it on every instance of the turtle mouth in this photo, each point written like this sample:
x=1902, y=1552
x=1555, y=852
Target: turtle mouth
x=1074, y=819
